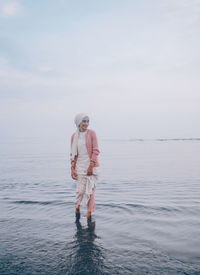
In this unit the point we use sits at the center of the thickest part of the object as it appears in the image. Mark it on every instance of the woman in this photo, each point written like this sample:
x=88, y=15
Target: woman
x=84, y=163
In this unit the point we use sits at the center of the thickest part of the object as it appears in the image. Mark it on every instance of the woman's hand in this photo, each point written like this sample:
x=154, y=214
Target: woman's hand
x=73, y=174
x=90, y=169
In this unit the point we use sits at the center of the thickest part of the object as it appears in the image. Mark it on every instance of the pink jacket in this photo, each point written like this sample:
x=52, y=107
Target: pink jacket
x=92, y=146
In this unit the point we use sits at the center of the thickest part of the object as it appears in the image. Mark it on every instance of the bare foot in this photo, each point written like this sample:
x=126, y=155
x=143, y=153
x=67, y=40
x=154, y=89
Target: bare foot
x=88, y=215
x=78, y=210
x=78, y=213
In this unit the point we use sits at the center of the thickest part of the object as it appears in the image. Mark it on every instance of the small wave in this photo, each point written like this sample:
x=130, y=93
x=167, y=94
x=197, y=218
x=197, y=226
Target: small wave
x=159, y=208
x=126, y=206
x=55, y=202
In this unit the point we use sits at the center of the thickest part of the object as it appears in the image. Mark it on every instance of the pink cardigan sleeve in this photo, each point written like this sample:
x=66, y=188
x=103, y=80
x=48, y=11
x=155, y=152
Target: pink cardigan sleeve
x=72, y=137
x=95, y=147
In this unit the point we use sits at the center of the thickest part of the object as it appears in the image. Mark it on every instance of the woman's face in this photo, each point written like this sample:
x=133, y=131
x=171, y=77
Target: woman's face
x=84, y=124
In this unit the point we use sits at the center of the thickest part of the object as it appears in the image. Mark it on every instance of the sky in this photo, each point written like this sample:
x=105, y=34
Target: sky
x=133, y=66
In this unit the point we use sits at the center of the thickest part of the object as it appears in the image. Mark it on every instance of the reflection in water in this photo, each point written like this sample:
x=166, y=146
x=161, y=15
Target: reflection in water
x=88, y=258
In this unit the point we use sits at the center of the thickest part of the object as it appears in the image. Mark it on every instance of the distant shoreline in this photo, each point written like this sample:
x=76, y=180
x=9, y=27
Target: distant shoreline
x=41, y=139
x=155, y=139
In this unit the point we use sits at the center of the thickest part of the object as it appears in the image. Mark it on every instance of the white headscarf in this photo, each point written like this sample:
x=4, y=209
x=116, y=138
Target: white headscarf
x=78, y=118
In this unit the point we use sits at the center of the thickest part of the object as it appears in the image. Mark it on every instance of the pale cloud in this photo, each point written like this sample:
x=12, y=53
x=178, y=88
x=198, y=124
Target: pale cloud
x=17, y=83
x=45, y=68
x=9, y=9
x=185, y=12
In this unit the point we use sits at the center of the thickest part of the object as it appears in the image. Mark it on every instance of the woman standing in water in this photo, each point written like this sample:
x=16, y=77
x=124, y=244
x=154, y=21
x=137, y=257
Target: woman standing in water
x=84, y=163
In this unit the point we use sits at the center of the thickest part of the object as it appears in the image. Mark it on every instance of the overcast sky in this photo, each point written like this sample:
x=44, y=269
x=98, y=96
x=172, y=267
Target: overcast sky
x=133, y=66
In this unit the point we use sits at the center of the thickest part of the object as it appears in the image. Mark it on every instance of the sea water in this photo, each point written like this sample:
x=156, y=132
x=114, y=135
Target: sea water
x=147, y=218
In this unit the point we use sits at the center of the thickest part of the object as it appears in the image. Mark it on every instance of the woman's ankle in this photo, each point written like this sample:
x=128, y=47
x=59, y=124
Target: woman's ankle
x=88, y=214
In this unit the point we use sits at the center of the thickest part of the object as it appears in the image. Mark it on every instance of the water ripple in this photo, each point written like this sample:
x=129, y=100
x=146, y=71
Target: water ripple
x=54, y=202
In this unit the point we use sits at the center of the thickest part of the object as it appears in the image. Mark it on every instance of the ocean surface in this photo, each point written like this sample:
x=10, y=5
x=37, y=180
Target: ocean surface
x=147, y=218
